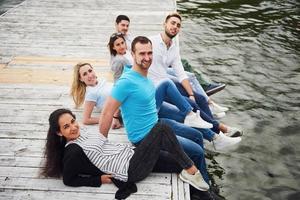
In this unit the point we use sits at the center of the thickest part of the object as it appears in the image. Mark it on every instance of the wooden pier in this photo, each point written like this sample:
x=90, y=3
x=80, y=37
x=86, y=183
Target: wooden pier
x=41, y=41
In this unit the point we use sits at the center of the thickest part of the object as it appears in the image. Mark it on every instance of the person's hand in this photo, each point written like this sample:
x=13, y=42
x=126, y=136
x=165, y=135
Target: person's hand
x=106, y=178
x=116, y=124
x=192, y=98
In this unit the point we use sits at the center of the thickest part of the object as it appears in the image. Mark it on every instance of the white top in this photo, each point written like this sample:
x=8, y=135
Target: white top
x=109, y=157
x=128, y=40
x=98, y=93
x=164, y=58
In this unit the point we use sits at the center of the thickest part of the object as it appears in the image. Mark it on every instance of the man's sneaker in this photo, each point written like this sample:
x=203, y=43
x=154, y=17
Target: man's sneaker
x=215, y=108
x=222, y=141
x=219, y=115
x=233, y=132
x=194, y=120
x=214, y=88
x=196, y=180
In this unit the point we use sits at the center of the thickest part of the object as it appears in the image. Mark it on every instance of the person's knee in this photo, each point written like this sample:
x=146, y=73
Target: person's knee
x=166, y=82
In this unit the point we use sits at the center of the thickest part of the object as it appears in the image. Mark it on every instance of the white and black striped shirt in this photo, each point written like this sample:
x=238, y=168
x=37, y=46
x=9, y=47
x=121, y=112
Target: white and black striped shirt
x=109, y=157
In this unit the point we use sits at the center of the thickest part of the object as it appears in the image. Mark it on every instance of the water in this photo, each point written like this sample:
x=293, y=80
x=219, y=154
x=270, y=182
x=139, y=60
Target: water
x=5, y=5
x=253, y=46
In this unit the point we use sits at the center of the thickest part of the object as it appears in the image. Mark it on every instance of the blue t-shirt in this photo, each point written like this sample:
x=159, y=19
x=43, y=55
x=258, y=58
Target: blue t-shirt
x=136, y=94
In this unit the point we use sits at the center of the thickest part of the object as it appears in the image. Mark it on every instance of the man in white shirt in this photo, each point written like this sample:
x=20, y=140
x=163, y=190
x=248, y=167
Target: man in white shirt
x=166, y=54
x=122, y=26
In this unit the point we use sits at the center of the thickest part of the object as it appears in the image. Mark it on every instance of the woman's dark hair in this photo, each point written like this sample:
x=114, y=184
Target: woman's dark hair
x=55, y=144
x=112, y=39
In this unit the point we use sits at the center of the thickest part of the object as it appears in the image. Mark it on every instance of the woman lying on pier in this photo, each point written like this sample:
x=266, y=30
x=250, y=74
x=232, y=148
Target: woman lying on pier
x=88, y=159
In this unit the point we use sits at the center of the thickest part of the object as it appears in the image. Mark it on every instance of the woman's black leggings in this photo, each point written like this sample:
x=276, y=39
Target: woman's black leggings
x=147, y=152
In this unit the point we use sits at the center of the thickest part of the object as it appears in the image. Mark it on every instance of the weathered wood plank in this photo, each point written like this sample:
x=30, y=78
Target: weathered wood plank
x=41, y=41
x=40, y=133
x=33, y=172
x=59, y=24
x=38, y=184
x=9, y=194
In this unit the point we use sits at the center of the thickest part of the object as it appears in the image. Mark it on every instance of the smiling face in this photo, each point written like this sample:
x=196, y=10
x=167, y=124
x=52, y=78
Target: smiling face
x=87, y=75
x=142, y=55
x=172, y=26
x=68, y=127
x=122, y=27
x=120, y=46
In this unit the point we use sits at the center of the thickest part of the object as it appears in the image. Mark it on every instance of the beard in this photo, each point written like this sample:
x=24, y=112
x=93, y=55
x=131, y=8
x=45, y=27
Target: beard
x=143, y=66
x=170, y=35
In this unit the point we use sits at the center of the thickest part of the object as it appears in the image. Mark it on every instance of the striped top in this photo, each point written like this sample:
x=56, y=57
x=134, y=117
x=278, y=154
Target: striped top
x=109, y=157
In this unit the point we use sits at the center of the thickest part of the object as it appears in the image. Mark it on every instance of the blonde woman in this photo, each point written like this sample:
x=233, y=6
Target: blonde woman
x=91, y=92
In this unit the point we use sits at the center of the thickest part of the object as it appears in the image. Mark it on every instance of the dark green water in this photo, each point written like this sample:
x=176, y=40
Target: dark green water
x=5, y=5
x=253, y=46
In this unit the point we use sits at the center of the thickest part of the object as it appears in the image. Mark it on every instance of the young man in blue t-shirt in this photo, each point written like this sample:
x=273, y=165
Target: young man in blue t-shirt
x=134, y=93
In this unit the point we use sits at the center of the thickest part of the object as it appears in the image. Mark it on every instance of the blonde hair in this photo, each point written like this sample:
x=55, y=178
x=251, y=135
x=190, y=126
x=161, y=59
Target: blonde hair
x=78, y=87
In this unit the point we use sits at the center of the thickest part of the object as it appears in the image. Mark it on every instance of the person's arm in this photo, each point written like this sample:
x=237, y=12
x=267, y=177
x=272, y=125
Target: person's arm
x=87, y=113
x=188, y=88
x=116, y=123
x=181, y=74
x=75, y=164
x=117, y=66
x=110, y=107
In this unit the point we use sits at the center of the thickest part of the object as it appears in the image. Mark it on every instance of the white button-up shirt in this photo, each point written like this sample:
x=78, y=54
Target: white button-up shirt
x=164, y=58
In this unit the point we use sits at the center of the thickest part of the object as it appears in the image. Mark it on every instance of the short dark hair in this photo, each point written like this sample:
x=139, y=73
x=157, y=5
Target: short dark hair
x=112, y=39
x=139, y=39
x=122, y=17
x=174, y=14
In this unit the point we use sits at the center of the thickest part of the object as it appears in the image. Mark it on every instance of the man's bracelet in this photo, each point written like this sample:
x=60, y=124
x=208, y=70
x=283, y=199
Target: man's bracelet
x=191, y=95
x=116, y=117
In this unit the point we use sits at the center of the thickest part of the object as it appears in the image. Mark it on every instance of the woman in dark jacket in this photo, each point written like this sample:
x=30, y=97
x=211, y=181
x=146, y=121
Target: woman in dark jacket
x=89, y=159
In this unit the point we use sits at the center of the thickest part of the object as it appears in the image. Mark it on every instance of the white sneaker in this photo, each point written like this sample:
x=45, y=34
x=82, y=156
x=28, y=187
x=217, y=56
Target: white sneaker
x=215, y=108
x=233, y=132
x=194, y=120
x=219, y=115
x=195, y=180
x=222, y=141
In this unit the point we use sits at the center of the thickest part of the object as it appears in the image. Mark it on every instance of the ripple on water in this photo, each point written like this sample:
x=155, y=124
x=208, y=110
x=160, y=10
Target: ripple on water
x=254, y=47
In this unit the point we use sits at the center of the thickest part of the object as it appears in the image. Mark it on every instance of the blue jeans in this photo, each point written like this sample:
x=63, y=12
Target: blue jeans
x=178, y=107
x=200, y=104
x=167, y=91
x=172, y=112
x=192, y=79
x=191, y=141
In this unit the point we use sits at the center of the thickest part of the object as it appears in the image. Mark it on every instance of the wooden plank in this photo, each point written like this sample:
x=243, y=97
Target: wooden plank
x=20, y=161
x=11, y=194
x=57, y=60
x=38, y=76
x=43, y=184
x=40, y=133
x=41, y=41
x=175, y=189
x=33, y=172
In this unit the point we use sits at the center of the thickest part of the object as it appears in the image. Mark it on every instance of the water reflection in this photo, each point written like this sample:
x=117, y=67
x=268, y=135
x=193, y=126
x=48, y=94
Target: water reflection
x=253, y=46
